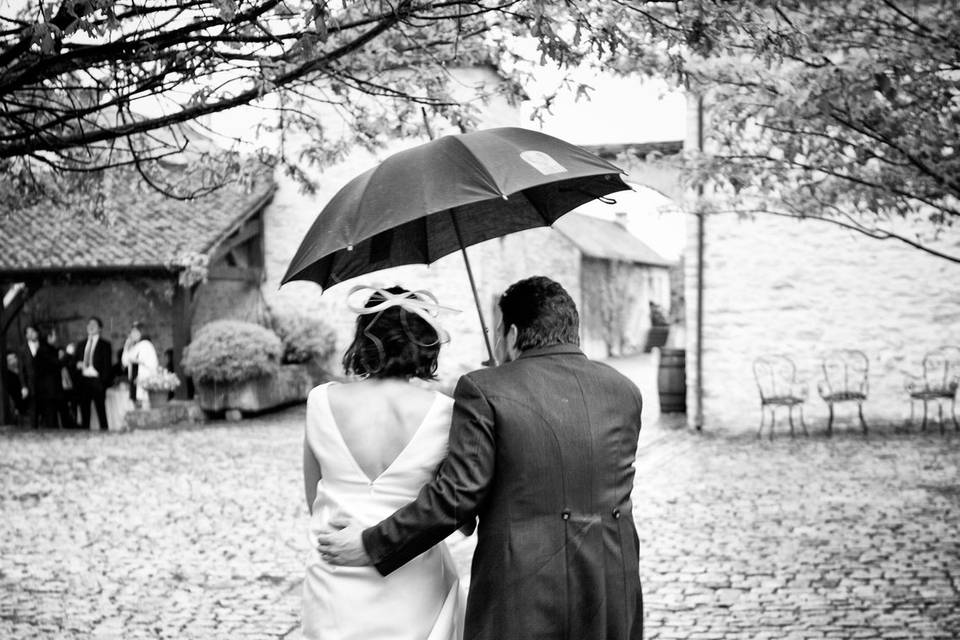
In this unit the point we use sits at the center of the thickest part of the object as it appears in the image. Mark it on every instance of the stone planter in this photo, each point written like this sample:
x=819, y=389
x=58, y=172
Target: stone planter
x=158, y=398
x=174, y=414
x=290, y=384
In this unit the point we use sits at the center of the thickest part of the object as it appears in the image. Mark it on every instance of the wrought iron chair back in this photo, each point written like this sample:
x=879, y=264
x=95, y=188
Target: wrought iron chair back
x=846, y=374
x=941, y=369
x=940, y=380
x=776, y=376
x=846, y=378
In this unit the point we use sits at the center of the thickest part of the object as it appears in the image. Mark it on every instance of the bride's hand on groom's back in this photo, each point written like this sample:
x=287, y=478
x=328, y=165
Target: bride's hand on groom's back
x=342, y=545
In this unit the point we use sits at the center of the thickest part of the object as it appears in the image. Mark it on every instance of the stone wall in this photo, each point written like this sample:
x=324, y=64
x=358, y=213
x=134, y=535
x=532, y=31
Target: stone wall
x=228, y=299
x=615, y=305
x=775, y=285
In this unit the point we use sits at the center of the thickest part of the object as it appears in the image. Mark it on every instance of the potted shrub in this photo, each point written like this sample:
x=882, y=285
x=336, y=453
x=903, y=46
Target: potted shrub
x=306, y=340
x=226, y=357
x=158, y=386
x=236, y=367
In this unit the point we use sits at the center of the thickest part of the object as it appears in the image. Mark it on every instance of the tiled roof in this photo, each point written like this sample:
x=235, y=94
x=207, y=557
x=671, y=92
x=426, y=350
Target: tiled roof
x=598, y=238
x=141, y=229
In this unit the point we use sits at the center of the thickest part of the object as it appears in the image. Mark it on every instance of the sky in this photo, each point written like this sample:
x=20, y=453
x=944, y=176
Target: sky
x=621, y=109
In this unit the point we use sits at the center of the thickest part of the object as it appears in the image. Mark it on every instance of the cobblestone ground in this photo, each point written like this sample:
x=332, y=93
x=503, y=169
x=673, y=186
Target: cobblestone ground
x=801, y=539
x=199, y=534
x=153, y=534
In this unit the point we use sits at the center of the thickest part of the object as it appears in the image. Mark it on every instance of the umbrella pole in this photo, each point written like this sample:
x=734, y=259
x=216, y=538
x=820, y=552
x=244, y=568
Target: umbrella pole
x=492, y=362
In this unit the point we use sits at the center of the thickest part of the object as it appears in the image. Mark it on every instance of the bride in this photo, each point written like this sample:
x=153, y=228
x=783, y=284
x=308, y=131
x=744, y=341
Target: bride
x=370, y=446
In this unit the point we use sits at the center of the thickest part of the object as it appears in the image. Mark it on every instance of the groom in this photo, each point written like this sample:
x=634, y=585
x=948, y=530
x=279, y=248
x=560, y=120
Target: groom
x=542, y=451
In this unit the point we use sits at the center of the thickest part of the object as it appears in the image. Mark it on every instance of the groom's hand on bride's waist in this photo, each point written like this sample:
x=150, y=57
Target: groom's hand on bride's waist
x=343, y=545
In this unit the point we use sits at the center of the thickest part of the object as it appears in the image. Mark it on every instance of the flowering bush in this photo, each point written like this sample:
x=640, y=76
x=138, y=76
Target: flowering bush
x=232, y=351
x=304, y=337
x=160, y=380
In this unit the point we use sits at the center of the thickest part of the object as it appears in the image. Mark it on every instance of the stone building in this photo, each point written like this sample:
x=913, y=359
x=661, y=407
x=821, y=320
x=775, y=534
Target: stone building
x=572, y=258
x=610, y=273
x=801, y=288
x=142, y=263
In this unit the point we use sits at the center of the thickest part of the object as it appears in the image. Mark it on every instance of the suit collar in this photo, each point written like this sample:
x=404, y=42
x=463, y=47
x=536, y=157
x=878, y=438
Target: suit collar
x=552, y=350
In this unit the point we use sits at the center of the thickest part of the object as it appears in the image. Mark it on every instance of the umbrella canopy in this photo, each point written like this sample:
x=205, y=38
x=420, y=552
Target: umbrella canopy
x=427, y=202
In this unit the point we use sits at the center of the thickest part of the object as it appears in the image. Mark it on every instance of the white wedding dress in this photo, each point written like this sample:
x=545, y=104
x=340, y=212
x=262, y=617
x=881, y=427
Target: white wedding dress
x=423, y=599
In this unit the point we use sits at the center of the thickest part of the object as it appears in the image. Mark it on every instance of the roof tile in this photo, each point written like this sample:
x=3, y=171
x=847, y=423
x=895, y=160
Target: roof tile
x=141, y=228
x=598, y=238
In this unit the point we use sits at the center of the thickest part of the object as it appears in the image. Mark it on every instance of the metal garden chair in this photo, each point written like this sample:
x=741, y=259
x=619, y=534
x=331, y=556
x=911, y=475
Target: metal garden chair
x=845, y=379
x=939, y=382
x=776, y=377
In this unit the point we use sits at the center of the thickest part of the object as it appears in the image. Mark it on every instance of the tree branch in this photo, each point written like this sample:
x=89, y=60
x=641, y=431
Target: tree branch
x=189, y=113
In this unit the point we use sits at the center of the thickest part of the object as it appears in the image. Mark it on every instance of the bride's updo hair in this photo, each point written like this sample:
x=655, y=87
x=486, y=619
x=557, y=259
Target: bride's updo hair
x=392, y=343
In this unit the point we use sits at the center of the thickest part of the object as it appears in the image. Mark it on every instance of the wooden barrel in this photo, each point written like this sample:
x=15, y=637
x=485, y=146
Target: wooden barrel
x=672, y=381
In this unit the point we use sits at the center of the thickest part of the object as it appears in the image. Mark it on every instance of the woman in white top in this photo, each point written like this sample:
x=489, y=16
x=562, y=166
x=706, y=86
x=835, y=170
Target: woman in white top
x=139, y=358
x=370, y=446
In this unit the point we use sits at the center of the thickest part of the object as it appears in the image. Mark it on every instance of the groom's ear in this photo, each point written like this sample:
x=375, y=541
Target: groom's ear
x=512, y=333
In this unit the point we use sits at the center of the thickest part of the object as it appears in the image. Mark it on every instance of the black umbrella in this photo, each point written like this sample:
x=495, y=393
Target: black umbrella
x=427, y=202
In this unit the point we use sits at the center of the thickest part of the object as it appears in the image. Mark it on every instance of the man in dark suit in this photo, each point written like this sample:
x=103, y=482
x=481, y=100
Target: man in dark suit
x=94, y=362
x=541, y=450
x=65, y=400
x=41, y=380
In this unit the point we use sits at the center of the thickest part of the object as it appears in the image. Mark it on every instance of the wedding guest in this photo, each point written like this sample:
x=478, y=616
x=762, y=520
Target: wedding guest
x=139, y=358
x=41, y=380
x=70, y=359
x=96, y=375
x=63, y=400
x=13, y=384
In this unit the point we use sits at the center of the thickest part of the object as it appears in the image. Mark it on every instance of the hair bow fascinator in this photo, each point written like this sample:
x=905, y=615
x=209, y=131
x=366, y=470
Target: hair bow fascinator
x=421, y=302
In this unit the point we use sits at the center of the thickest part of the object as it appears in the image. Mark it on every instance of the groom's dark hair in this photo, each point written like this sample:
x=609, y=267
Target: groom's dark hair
x=543, y=312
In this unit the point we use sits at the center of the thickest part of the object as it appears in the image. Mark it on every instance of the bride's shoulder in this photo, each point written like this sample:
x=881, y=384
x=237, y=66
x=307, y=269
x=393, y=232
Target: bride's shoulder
x=343, y=393
x=319, y=392
x=444, y=400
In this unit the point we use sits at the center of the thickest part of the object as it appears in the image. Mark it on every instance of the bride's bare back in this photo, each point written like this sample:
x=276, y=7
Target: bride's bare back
x=377, y=419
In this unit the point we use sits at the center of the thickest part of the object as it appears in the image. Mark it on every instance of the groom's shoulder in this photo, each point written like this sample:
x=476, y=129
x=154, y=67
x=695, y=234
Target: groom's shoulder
x=494, y=377
x=608, y=371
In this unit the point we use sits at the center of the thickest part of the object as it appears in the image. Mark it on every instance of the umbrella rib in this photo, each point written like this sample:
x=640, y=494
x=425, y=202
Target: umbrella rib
x=482, y=167
x=426, y=239
x=533, y=205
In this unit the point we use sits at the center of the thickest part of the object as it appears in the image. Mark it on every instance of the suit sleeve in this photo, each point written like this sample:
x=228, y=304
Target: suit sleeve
x=106, y=362
x=452, y=498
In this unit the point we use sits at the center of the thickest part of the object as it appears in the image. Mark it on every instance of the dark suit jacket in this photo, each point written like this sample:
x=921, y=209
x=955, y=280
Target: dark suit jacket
x=41, y=372
x=542, y=450
x=102, y=360
x=13, y=386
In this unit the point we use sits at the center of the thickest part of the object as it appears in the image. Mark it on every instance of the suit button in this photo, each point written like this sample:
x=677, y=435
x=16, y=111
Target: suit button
x=565, y=514
x=616, y=514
